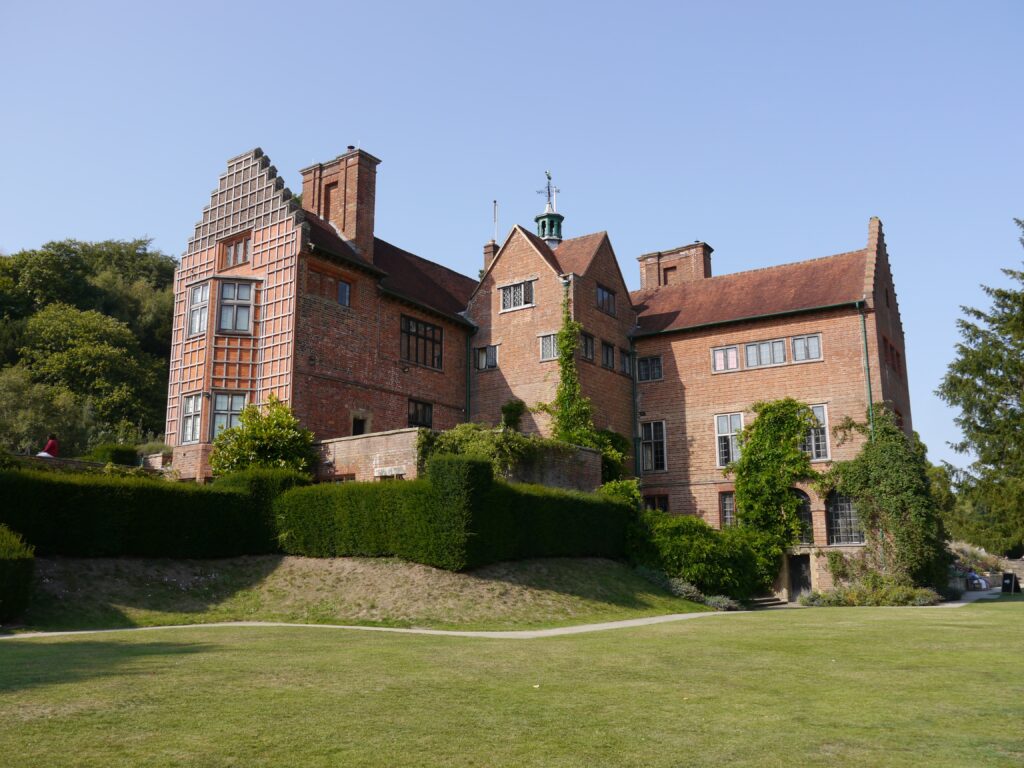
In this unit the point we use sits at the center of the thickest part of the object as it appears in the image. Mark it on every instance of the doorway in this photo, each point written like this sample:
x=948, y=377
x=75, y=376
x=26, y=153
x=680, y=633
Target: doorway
x=799, y=576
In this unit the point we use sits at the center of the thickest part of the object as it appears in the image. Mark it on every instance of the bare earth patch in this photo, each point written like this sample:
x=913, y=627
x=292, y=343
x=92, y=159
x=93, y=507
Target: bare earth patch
x=76, y=593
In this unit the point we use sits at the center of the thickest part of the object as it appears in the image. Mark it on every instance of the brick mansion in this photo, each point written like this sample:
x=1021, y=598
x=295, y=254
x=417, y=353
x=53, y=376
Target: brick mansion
x=361, y=337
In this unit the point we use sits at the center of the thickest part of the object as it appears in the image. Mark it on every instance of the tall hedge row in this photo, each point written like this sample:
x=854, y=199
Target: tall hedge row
x=96, y=516
x=16, y=566
x=458, y=517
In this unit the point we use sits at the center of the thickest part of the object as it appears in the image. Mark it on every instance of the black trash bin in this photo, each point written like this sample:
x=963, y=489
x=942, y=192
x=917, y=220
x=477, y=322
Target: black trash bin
x=1010, y=583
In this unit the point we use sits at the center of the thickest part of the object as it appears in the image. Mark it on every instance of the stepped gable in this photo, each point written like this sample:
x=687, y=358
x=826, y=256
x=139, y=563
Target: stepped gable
x=249, y=195
x=424, y=282
x=784, y=289
x=577, y=253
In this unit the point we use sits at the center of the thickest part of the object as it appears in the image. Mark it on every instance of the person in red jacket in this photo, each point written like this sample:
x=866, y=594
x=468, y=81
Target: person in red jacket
x=52, y=449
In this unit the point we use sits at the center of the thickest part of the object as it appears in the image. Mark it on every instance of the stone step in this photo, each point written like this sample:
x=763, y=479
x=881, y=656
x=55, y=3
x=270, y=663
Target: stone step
x=767, y=602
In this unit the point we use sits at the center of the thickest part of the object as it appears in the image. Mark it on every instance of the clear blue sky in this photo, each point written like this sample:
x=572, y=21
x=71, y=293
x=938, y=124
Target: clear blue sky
x=772, y=131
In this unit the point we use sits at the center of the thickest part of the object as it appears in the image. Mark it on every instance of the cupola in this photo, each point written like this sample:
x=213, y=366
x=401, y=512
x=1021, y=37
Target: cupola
x=549, y=223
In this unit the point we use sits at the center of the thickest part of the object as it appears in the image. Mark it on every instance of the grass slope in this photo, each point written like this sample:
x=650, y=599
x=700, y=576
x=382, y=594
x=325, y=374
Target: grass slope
x=92, y=593
x=818, y=687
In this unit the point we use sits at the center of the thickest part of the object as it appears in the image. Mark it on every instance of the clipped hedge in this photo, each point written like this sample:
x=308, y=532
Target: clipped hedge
x=112, y=453
x=16, y=566
x=263, y=485
x=459, y=517
x=97, y=516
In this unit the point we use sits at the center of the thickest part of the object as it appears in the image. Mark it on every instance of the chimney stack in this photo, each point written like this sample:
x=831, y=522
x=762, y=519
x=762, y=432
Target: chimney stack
x=490, y=251
x=343, y=191
x=677, y=265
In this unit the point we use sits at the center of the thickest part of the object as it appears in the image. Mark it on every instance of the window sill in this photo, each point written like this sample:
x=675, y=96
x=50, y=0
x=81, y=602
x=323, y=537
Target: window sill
x=728, y=370
x=516, y=309
x=224, y=332
x=413, y=364
x=646, y=472
x=647, y=381
x=549, y=360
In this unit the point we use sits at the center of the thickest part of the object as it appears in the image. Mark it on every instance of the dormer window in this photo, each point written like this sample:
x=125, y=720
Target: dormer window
x=236, y=251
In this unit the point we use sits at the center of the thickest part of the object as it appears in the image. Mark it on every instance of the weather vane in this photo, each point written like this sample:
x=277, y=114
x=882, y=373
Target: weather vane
x=551, y=191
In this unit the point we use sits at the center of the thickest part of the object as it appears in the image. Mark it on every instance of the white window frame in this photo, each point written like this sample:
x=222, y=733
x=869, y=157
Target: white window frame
x=229, y=299
x=231, y=412
x=525, y=286
x=816, y=436
x=553, y=348
x=645, y=362
x=191, y=420
x=757, y=347
x=198, y=308
x=488, y=356
x=726, y=521
x=653, y=441
x=803, y=339
x=732, y=436
x=725, y=353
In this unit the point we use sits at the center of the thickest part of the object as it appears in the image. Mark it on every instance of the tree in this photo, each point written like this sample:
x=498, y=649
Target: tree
x=986, y=382
x=98, y=359
x=29, y=411
x=888, y=481
x=271, y=438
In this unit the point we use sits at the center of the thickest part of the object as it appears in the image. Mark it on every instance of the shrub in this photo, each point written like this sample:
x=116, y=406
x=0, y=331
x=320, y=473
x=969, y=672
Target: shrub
x=114, y=453
x=686, y=590
x=872, y=595
x=458, y=517
x=153, y=446
x=96, y=516
x=512, y=414
x=624, y=491
x=722, y=603
x=271, y=438
x=734, y=562
x=16, y=565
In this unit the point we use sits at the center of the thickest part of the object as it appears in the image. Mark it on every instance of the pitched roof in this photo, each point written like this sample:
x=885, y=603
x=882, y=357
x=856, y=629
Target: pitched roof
x=323, y=236
x=401, y=273
x=577, y=253
x=572, y=255
x=424, y=282
x=785, y=289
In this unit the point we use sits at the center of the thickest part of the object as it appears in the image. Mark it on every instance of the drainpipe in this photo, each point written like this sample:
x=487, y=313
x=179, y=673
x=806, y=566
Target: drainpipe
x=636, y=416
x=469, y=371
x=867, y=365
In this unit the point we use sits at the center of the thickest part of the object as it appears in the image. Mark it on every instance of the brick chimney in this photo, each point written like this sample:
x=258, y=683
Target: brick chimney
x=343, y=191
x=687, y=262
x=490, y=251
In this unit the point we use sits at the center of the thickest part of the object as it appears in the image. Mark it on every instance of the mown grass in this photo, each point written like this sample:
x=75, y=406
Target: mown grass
x=819, y=687
x=119, y=592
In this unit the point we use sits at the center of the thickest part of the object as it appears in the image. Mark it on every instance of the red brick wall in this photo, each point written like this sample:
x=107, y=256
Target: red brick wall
x=609, y=390
x=520, y=372
x=367, y=458
x=349, y=362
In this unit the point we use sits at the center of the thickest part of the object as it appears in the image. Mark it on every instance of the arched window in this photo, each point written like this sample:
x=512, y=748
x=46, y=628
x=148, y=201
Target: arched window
x=841, y=518
x=804, y=513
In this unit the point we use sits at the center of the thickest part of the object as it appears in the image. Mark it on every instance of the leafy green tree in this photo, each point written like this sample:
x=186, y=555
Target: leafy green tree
x=771, y=463
x=986, y=382
x=271, y=438
x=98, y=359
x=888, y=481
x=29, y=411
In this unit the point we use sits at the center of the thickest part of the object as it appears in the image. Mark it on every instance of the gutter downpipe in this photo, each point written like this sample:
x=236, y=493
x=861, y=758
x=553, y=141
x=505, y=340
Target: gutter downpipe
x=636, y=416
x=867, y=365
x=469, y=370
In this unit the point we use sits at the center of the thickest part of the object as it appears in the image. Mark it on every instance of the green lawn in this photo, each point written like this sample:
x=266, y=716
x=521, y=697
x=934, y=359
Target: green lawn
x=72, y=593
x=829, y=687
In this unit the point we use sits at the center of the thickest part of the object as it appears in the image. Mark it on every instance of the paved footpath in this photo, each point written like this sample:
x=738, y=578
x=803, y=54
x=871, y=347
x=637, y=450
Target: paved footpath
x=523, y=634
